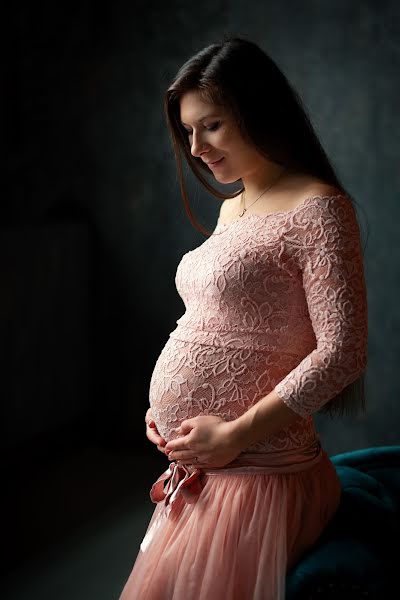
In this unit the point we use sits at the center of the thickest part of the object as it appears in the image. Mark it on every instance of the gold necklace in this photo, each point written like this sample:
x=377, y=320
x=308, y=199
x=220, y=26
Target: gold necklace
x=266, y=190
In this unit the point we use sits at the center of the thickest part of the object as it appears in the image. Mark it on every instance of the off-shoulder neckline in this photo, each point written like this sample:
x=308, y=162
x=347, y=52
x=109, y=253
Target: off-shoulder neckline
x=260, y=216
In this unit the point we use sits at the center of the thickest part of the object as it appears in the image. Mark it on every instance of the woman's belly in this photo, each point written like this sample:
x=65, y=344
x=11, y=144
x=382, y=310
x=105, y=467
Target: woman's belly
x=191, y=379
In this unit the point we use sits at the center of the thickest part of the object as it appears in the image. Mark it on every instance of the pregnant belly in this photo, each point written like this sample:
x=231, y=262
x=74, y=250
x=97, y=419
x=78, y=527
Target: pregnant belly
x=190, y=379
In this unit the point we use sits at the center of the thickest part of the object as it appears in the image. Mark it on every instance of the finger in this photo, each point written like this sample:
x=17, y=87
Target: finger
x=158, y=441
x=177, y=444
x=152, y=427
x=155, y=437
x=190, y=461
x=186, y=456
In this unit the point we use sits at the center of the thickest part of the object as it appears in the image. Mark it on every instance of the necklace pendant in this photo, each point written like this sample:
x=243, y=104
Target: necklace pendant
x=242, y=213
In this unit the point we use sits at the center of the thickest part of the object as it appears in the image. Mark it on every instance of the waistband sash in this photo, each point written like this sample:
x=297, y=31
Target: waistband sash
x=187, y=481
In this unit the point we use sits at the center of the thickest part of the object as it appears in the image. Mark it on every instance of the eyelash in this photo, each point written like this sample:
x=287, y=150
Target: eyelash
x=212, y=127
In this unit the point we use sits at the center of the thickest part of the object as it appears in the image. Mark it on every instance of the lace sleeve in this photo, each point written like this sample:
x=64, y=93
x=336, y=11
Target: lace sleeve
x=331, y=262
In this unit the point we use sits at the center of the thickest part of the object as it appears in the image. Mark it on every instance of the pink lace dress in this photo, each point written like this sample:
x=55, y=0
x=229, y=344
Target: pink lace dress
x=275, y=301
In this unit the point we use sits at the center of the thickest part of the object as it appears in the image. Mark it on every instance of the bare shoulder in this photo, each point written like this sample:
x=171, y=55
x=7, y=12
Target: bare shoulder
x=312, y=186
x=295, y=190
x=322, y=189
x=286, y=197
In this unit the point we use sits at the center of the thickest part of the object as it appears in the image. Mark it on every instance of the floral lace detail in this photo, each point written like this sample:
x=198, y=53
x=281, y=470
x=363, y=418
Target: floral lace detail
x=273, y=301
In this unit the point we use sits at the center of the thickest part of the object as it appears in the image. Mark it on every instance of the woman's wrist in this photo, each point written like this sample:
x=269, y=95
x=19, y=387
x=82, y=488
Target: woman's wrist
x=239, y=433
x=266, y=417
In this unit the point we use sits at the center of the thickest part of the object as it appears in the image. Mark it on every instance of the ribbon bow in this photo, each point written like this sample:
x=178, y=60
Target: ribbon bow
x=183, y=479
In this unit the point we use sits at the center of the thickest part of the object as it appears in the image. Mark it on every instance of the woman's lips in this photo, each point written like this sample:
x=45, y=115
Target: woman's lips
x=216, y=163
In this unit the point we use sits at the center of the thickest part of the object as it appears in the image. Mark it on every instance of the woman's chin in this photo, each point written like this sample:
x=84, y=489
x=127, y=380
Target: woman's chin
x=224, y=178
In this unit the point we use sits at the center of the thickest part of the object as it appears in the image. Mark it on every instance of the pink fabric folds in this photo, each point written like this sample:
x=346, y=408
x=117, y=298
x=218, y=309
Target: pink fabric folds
x=232, y=532
x=181, y=479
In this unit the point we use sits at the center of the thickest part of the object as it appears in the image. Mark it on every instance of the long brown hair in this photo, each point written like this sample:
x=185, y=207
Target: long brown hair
x=239, y=76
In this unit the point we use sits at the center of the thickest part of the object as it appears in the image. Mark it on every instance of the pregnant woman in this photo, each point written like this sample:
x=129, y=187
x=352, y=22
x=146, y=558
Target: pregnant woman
x=275, y=330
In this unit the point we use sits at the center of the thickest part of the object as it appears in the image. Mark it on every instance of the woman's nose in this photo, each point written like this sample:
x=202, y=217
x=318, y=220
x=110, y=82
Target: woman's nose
x=197, y=145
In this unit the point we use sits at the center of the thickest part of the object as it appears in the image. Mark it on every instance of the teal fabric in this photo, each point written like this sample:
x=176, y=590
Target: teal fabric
x=358, y=551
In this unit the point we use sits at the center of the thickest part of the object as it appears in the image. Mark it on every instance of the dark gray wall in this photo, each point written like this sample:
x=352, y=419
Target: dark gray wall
x=86, y=143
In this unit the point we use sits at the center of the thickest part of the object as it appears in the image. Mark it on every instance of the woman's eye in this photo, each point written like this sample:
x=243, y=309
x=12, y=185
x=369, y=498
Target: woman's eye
x=212, y=127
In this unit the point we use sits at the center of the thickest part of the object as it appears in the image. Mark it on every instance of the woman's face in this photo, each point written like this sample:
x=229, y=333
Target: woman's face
x=214, y=135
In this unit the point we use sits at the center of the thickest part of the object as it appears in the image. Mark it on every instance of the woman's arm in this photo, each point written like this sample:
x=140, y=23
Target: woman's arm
x=331, y=263
x=268, y=416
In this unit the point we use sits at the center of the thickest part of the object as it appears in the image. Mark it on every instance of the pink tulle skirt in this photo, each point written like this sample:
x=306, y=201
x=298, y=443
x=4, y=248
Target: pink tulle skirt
x=233, y=533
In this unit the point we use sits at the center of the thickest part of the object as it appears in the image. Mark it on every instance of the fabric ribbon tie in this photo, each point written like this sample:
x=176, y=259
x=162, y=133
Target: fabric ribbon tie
x=184, y=481
x=177, y=479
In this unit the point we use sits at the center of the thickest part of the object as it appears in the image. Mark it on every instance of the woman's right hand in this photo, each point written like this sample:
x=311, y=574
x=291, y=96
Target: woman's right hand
x=152, y=433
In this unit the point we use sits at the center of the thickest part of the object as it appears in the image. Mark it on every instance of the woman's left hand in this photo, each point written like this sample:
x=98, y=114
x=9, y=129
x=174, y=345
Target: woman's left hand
x=207, y=437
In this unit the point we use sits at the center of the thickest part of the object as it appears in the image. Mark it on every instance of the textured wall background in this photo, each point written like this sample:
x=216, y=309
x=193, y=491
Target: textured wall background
x=86, y=142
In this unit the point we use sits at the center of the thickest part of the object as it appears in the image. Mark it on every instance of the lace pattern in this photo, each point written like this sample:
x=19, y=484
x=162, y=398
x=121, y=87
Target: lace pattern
x=272, y=301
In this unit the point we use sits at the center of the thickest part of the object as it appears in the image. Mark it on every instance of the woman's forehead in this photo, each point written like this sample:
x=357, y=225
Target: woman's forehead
x=194, y=109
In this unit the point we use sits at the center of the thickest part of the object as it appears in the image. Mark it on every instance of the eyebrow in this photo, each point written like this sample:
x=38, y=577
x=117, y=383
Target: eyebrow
x=202, y=118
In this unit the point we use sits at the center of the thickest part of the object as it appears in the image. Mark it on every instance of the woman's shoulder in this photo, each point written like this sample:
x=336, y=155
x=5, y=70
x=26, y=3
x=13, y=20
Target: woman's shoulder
x=324, y=196
x=298, y=187
x=312, y=186
x=289, y=197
